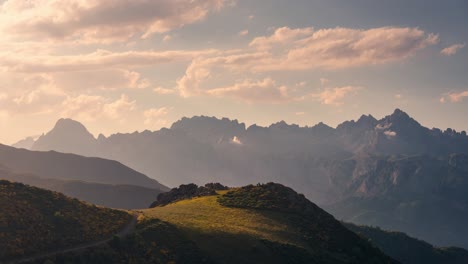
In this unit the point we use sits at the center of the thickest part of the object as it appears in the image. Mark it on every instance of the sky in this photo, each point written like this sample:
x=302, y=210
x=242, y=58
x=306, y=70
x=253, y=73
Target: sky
x=131, y=65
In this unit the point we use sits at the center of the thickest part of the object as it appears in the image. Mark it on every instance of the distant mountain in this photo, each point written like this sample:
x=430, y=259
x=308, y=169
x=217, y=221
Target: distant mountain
x=114, y=196
x=392, y=159
x=57, y=165
x=408, y=194
x=34, y=220
x=409, y=250
x=68, y=136
x=26, y=143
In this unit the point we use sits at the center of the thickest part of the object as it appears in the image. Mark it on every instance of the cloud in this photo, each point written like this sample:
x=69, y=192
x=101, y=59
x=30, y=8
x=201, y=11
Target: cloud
x=305, y=49
x=283, y=35
x=93, y=107
x=263, y=91
x=107, y=79
x=452, y=50
x=454, y=97
x=390, y=134
x=167, y=38
x=236, y=141
x=155, y=117
x=102, y=21
x=300, y=113
x=98, y=60
x=335, y=96
x=343, y=47
x=164, y=91
x=324, y=81
x=243, y=33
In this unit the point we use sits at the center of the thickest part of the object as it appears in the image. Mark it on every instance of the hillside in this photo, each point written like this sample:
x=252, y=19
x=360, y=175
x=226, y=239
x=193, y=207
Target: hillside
x=57, y=165
x=409, y=250
x=198, y=229
x=248, y=225
x=114, y=196
x=34, y=220
x=266, y=223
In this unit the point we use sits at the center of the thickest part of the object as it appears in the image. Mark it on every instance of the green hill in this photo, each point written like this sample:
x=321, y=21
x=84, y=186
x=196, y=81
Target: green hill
x=409, y=250
x=265, y=224
x=255, y=224
x=34, y=220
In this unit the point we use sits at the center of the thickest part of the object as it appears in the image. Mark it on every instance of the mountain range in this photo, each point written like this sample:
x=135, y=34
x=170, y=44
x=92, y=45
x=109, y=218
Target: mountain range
x=393, y=172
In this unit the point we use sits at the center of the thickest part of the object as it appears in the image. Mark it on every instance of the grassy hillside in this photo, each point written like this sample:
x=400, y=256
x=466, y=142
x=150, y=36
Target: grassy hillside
x=114, y=196
x=34, y=220
x=264, y=231
x=409, y=250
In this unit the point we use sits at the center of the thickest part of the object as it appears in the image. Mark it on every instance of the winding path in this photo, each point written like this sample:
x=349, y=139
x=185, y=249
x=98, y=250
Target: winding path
x=127, y=230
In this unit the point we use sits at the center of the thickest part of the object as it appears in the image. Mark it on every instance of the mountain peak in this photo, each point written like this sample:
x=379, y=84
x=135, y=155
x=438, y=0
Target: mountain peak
x=367, y=120
x=67, y=124
x=67, y=136
x=399, y=113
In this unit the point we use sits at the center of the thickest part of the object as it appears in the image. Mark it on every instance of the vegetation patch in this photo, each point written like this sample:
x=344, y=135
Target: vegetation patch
x=154, y=241
x=270, y=196
x=34, y=220
x=187, y=191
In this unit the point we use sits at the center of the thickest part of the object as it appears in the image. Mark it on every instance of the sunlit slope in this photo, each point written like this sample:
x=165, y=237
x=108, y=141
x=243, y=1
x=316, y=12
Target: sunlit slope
x=265, y=235
x=34, y=220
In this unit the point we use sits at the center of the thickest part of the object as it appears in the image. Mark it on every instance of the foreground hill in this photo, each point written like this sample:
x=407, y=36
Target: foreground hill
x=62, y=166
x=265, y=224
x=34, y=220
x=253, y=224
x=409, y=250
x=114, y=196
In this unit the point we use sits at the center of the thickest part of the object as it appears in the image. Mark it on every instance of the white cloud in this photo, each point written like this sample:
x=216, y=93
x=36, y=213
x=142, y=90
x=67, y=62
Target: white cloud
x=345, y=47
x=235, y=140
x=335, y=96
x=452, y=50
x=94, y=107
x=282, y=35
x=264, y=91
x=300, y=50
x=167, y=38
x=164, y=91
x=155, y=117
x=454, y=97
x=243, y=33
x=98, y=60
x=390, y=134
x=119, y=108
x=103, y=21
